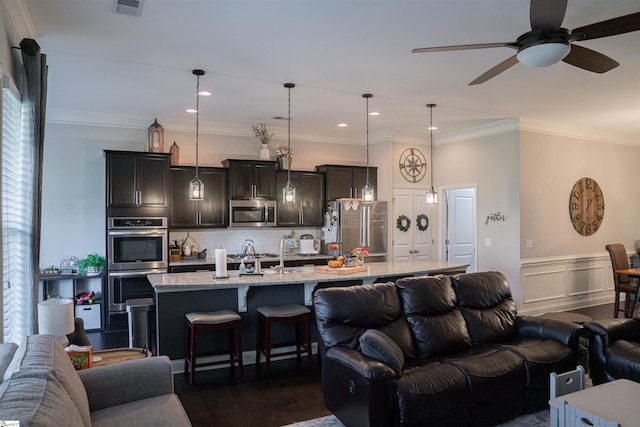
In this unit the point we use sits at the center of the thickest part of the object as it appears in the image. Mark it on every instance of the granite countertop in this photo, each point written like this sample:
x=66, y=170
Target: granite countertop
x=172, y=282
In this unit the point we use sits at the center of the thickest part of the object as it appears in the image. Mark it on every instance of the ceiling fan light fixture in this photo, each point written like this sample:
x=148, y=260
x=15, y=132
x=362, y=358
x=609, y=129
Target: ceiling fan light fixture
x=544, y=54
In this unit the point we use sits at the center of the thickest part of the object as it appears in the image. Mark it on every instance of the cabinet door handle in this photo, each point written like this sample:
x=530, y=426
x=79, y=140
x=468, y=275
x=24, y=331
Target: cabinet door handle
x=412, y=251
x=416, y=251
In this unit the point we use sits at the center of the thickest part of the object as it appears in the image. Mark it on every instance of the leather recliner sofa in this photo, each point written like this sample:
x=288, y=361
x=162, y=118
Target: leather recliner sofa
x=614, y=348
x=437, y=351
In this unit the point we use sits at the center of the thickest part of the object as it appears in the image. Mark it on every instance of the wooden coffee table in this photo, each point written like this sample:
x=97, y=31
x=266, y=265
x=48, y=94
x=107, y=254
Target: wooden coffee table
x=118, y=355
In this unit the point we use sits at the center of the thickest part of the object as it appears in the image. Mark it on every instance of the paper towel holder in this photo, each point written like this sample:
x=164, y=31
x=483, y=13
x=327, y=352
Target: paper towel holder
x=224, y=253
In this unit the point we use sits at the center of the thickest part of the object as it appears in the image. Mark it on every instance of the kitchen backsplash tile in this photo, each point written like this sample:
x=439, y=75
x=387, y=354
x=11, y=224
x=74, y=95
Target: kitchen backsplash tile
x=265, y=239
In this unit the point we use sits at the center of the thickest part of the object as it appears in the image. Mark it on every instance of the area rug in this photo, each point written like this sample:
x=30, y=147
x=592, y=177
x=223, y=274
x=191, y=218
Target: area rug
x=538, y=419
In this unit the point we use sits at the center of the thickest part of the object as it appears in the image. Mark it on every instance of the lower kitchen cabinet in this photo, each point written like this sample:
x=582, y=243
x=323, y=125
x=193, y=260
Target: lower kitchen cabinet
x=208, y=213
x=309, y=207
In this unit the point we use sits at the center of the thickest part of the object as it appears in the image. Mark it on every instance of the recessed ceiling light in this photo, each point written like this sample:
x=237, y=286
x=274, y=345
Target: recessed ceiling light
x=204, y=93
x=432, y=128
x=342, y=125
x=374, y=113
x=191, y=110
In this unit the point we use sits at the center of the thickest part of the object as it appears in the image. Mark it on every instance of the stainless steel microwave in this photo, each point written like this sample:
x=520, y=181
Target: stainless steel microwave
x=252, y=213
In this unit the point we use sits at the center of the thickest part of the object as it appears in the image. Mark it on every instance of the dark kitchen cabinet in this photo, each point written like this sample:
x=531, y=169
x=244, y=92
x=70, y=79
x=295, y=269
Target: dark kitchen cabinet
x=309, y=207
x=251, y=179
x=137, y=180
x=211, y=212
x=347, y=181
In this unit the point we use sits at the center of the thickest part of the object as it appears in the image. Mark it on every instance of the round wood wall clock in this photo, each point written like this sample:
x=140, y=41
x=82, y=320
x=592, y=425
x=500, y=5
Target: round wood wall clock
x=586, y=206
x=413, y=165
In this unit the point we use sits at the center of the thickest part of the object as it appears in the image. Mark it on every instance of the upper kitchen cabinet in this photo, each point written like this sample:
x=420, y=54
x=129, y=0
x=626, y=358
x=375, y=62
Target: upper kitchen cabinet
x=347, y=181
x=251, y=179
x=309, y=207
x=211, y=212
x=137, y=183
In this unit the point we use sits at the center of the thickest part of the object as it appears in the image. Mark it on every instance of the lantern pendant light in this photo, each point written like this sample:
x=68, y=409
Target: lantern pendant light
x=196, y=186
x=289, y=190
x=367, y=191
x=432, y=196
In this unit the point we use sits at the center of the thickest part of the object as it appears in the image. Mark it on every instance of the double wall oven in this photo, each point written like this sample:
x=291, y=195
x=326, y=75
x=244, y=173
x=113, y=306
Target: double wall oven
x=135, y=247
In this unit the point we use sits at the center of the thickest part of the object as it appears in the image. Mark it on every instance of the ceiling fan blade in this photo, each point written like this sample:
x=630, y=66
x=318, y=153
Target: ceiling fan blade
x=503, y=66
x=463, y=47
x=547, y=14
x=610, y=27
x=589, y=60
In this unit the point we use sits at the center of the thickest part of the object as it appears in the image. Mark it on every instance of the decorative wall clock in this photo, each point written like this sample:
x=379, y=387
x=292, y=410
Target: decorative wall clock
x=586, y=206
x=413, y=165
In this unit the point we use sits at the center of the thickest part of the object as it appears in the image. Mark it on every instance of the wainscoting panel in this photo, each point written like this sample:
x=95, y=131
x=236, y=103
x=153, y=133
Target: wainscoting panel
x=565, y=283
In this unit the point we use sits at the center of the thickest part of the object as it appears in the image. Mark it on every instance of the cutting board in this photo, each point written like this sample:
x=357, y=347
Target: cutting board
x=341, y=270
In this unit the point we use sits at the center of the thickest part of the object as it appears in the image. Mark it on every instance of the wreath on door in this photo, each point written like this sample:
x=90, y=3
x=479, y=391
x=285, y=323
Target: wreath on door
x=422, y=222
x=403, y=222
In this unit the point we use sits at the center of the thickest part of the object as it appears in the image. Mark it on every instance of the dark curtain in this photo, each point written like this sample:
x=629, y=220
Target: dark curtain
x=34, y=101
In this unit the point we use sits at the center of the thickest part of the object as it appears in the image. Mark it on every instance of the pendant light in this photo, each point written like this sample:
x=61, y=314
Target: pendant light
x=367, y=190
x=289, y=190
x=432, y=196
x=196, y=186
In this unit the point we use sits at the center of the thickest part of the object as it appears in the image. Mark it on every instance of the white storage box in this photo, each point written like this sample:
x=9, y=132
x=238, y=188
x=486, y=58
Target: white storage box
x=90, y=313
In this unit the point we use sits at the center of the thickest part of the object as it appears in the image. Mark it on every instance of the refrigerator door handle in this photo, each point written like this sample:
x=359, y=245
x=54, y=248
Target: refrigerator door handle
x=365, y=227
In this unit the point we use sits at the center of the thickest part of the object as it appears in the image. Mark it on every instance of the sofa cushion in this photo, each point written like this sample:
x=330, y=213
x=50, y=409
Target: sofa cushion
x=7, y=351
x=487, y=306
x=496, y=379
x=35, y=397
x=343, y=314
x=437, y=325
x=623, y=360
x=45, y=351
x=432, y=393
x=164, y=410
x=379, y=346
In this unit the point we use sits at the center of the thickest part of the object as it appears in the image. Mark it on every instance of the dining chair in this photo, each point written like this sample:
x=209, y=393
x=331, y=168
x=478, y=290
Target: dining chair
x=623, y=283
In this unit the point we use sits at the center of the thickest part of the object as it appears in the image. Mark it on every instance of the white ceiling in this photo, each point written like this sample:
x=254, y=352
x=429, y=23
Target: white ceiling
x=101, y=63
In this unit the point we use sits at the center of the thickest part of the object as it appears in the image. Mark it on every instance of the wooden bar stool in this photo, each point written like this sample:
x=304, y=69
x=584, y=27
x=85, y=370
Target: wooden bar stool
x=290, y=313
x=209, y=321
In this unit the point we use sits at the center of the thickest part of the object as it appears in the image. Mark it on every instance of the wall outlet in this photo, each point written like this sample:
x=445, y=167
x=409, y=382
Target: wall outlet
x=487, y=242
x=528, y=243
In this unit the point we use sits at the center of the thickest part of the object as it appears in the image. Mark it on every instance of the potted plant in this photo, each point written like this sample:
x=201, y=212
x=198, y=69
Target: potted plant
x=263, y=134
x=91, y=265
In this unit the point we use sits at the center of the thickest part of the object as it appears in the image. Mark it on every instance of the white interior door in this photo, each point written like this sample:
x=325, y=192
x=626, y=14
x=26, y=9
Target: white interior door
x=461, y=226
x=413, y=244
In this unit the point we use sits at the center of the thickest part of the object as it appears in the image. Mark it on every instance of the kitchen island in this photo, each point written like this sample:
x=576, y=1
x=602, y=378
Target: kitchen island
x=181, y=293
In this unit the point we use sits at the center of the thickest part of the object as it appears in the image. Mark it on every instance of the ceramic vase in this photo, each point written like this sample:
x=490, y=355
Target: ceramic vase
x=264, y=152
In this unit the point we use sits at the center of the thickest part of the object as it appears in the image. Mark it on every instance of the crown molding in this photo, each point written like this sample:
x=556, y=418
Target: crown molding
x=586, y=134
x=19, y=16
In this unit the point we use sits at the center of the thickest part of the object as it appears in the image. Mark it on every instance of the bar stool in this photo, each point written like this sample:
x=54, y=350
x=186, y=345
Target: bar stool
x=215, y=320
x=290, y=313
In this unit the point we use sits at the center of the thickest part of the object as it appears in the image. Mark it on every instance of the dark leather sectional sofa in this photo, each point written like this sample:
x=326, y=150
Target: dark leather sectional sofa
x=455, y=352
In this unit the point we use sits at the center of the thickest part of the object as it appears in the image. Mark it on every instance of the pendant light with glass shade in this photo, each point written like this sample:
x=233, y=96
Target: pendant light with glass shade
x=196, y=186
x=289, y=190
x=432, y=196
x=367, y=191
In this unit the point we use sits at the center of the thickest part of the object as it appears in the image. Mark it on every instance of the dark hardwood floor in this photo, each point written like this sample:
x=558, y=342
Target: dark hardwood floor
x=290, y=393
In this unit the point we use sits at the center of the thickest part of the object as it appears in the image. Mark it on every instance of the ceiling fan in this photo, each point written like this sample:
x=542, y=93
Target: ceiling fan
x=548, y=43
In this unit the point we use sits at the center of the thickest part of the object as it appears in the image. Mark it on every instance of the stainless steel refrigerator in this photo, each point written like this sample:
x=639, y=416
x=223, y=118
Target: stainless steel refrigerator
x=351, y=223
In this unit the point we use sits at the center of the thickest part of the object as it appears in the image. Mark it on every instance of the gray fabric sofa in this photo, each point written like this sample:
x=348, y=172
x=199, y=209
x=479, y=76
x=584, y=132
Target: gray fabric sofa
x=40, y=387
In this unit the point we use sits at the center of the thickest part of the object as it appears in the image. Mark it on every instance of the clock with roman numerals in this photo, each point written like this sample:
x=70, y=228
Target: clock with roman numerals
x=413, y=166
x=586, y=206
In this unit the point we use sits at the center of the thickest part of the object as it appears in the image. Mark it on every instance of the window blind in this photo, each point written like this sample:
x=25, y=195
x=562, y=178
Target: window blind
x=17, y=212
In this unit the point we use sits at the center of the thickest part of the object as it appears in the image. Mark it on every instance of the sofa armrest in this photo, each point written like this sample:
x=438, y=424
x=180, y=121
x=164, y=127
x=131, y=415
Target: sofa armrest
x=359, y=390
x=126, y=382
x=544, y=328
x=360, y=364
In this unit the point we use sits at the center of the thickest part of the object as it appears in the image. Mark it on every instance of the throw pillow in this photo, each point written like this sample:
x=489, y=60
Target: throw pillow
x=379, y=346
